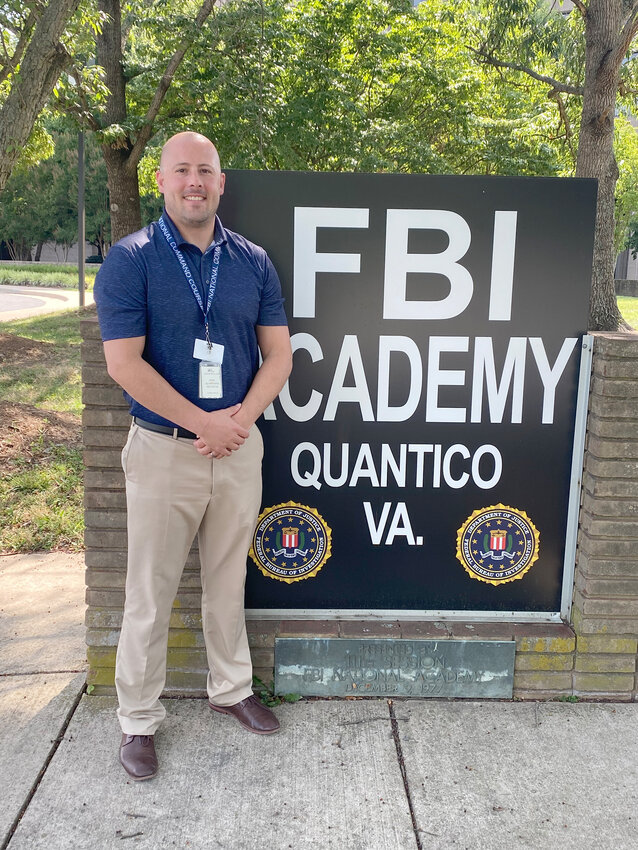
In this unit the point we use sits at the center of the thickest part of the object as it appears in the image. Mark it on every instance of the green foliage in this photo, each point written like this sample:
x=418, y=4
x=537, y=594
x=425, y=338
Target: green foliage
x=267, y=695
x=17, y=41
x=147, y=168
x=39, y=146
x=54, y=183
x=45, y=274
x=626, y=148
x=361, y=85
x=534, y=34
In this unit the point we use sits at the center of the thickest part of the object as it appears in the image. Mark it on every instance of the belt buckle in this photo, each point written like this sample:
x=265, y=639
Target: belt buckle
x=175, y=433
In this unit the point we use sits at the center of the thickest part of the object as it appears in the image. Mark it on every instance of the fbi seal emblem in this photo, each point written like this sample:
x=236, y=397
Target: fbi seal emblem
x=497, y=544
x=291, y=542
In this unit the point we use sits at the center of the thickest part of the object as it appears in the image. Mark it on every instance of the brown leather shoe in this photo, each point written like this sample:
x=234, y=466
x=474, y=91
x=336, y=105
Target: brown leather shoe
x=137, y=756
x=251, y=714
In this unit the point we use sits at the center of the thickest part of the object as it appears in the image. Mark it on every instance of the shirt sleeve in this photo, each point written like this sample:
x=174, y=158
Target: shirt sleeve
x=271, y=307
x=120, y=295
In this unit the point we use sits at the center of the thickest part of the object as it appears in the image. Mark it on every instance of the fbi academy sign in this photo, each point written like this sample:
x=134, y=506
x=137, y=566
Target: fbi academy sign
x=419, y=456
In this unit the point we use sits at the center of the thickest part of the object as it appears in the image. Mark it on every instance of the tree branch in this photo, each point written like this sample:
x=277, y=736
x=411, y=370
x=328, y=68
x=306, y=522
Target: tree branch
x=6, y=23
x=626, y=37
x=550, y=81
x=25, y=35
x=555, y=96
x=82, y=111
x=581, y=7
x=146, y=131
x=43, y=61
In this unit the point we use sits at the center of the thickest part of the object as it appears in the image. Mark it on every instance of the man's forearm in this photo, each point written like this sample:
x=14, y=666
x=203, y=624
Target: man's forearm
x=150, y=389
x=219, y=433
x=266, y=386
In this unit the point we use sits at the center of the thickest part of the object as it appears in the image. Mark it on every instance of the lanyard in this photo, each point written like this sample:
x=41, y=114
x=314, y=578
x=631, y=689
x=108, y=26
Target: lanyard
x=212, y=284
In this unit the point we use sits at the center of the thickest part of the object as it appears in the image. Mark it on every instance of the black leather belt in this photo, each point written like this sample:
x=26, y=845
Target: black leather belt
x=175, y=433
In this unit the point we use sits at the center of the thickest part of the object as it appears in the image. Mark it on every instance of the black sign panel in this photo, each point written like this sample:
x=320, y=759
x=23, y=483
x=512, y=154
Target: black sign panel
x=419, y=457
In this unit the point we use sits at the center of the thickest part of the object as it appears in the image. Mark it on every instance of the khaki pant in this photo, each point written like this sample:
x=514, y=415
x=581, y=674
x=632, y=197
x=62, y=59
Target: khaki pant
x=172, y=494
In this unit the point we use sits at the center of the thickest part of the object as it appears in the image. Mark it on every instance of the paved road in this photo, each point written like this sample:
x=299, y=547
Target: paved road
x=22, y=302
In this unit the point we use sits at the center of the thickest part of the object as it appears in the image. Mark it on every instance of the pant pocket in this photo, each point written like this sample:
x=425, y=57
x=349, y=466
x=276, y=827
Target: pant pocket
x=127, y=446
x=255, y=434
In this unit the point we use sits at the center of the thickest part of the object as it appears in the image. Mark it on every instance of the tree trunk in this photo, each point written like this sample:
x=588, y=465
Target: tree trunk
x=121, y=167
x=122, y=155
x=596, y=151
x=38, y=251
x=41, y=65
x=124, y=192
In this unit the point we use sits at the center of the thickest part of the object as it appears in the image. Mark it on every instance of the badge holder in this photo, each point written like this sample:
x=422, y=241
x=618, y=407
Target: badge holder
x=211, y=357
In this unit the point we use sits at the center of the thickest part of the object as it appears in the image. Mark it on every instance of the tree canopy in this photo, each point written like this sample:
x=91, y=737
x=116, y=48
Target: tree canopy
x=469, y=87
x=363, y=85
x=35, y=47
x=583, y=52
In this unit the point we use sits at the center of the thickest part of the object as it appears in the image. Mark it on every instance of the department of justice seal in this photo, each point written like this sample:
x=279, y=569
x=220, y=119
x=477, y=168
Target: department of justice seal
x=497, y=544
x=291, y=542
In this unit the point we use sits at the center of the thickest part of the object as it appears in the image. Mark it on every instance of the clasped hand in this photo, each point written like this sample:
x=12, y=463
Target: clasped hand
x=222, y=433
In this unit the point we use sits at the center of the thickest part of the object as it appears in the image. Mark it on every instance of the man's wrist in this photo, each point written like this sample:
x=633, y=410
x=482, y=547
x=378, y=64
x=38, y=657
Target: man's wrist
x=243, y=418
x=200, y=421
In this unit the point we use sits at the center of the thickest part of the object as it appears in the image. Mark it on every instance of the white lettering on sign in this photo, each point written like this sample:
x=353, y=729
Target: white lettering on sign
x=389, y=345
x=298, y=412
x=349, y=356
x=399, y=262
x=438, y=377
x=409, y=465
x=400, y=525
x=550, y=375
x=513, y=374
x=307, y=261
x=503, y=250
x=443, y=352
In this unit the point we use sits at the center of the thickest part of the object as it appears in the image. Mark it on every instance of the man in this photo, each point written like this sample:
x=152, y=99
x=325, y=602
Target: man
x=184, y=307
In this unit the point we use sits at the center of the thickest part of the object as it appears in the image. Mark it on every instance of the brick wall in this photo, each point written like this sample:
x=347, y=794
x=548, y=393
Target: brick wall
x=605, y=613
x=594, y=656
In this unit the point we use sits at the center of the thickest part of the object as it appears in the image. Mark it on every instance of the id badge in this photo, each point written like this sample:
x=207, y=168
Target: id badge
x=212, y=354
x=210, y=380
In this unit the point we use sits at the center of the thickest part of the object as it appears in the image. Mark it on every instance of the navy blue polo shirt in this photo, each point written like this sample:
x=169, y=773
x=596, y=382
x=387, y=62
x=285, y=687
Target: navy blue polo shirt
x=141, y=290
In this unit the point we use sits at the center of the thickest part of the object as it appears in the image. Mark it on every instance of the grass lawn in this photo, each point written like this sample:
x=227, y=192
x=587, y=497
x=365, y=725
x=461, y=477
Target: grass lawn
x=41, y=492
x=629, y=310
x=43, y=365
x=41, y=495
x=45, y=274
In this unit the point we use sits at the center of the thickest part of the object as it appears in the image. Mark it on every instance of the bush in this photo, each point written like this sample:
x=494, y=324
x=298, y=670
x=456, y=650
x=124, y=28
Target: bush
x=44, y=274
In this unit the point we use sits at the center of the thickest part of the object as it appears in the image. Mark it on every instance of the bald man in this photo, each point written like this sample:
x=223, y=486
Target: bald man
x=185, y=307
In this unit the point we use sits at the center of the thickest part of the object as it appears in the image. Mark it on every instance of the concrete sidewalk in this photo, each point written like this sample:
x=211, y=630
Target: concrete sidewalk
x=355, y=774
x=23, y=302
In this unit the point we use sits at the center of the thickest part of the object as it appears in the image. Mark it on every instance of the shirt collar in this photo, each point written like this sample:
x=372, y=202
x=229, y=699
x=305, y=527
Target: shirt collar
x=220, y=233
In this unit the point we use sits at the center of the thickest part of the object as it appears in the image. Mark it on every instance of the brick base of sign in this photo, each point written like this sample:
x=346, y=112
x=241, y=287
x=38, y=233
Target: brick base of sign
x=552, y=662
x=594, y=657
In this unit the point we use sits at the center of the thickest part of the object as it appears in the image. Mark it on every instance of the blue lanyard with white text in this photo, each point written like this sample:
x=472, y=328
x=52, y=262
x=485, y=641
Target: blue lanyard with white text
x=212, y=284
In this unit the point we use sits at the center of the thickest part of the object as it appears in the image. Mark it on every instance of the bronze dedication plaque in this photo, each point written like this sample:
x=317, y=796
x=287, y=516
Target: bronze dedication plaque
x=406, y=668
